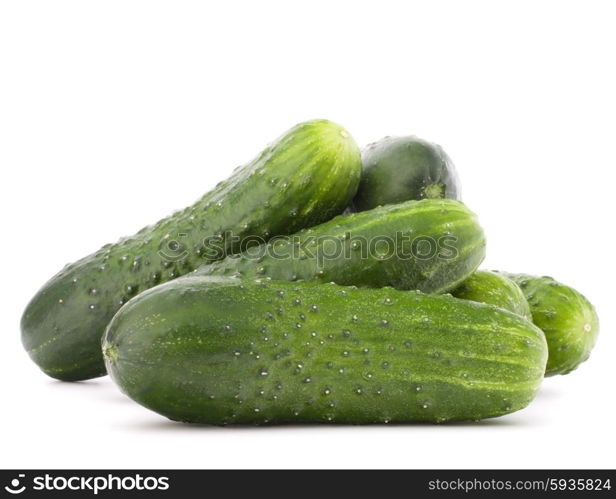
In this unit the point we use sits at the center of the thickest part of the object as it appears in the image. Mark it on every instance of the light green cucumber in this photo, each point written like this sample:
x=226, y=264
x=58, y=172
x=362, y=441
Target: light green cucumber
x=496, y=289
x=305, y=177
x=567, y=318
x=224, y=350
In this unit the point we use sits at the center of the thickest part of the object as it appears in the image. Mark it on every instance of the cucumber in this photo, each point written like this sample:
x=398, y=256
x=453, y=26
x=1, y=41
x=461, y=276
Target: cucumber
x=223, y=350
x=396, y=169
x=305, y=177
x=496, y=289
x=429, y=245
x=567, y=318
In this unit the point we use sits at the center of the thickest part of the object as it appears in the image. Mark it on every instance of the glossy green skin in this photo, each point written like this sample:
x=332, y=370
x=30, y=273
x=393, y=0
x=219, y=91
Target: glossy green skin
x=345, y=250
x=567, y=318
x=305, y=177
x=221, y=350
x=495, y=289
x=397, y=169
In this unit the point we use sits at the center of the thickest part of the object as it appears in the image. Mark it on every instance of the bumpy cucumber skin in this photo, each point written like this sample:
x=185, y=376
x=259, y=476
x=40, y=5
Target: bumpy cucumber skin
x=496, y=289
x=567, y=318
x=397, y=169
x=305, y=177
x=222, y=350
x=457, y=239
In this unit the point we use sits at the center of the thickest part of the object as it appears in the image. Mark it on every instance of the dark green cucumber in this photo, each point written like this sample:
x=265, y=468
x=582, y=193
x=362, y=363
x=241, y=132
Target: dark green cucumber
x=397, y=169
x=496, y=289
x=429, y=245
x=567, y=318
x=223, y=350
x=305, y=177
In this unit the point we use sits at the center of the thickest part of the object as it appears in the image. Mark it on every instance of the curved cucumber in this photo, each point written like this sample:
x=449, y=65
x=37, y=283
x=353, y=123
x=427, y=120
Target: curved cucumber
x=305, y=177
x=567, y=318
x=397, y=169
x=226, y=350
x=496, y=289
x=429, y=245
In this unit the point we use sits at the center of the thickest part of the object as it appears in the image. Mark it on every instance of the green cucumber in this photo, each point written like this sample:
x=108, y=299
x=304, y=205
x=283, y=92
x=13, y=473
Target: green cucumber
x=305, y=177
x=429, y=245
x=396, y=169
x=223, y=350
x=496, y=289
x=567, y=318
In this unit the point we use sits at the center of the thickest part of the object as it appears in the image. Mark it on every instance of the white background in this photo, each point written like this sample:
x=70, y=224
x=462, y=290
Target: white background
x=113, y=114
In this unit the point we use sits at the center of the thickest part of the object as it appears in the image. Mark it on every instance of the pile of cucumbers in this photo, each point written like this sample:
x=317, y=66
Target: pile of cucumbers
x=316, y=284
